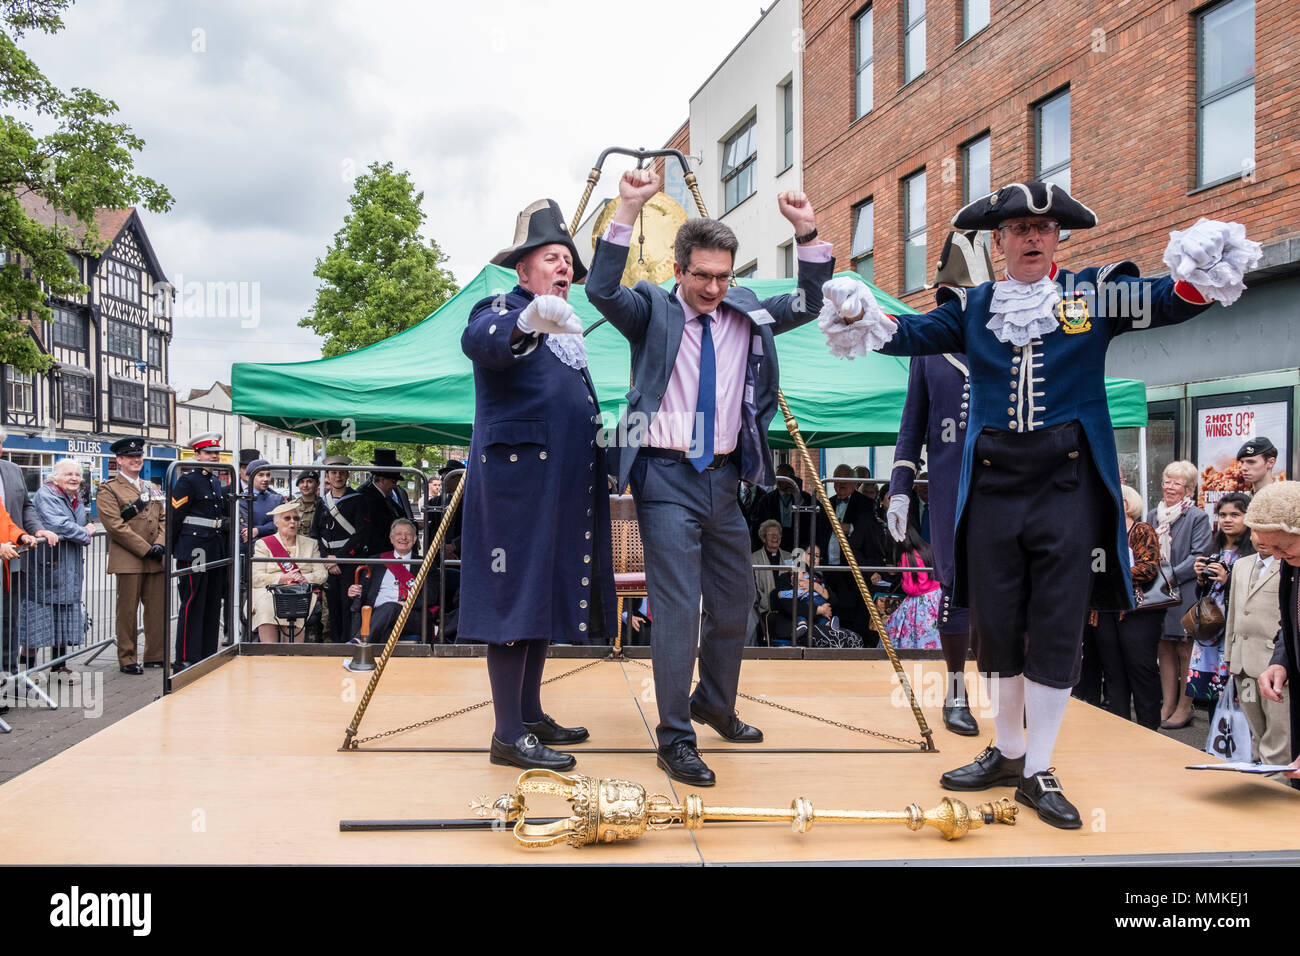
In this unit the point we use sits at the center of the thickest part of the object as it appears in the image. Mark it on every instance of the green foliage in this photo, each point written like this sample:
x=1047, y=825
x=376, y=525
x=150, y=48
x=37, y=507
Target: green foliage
x=379, y=277
x=85, y=162
x=407, y=453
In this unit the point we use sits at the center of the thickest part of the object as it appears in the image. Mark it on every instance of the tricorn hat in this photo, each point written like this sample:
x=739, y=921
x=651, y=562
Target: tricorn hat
x=964, y=262
x=540, y=224
x=1020, y=200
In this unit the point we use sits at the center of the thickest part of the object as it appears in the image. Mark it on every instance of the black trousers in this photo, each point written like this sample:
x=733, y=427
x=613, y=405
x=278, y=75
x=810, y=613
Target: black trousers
x=384, y=617
x=340, y=605
x=1127, y=654
x=198, y=623
x=1035, y=517
x=9, y=637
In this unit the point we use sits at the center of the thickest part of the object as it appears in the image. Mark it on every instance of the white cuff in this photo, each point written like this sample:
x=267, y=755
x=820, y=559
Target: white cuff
x=867, y=334
x=1212, y=257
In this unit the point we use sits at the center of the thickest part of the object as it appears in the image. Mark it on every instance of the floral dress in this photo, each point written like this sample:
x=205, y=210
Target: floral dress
x=915, y=624
x=1207, y=673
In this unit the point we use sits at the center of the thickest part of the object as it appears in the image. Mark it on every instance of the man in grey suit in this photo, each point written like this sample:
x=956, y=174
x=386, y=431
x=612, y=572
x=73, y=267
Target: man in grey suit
x=705, y=382
x=13, y=496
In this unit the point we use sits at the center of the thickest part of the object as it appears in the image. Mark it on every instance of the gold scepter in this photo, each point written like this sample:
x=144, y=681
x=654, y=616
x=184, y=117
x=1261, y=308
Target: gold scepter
x=606, y=810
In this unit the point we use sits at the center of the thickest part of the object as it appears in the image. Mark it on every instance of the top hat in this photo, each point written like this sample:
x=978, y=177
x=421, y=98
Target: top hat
x=386, y=456
x=248, y=454
x=451, y=465
x=1020, y=200
x=540, y=224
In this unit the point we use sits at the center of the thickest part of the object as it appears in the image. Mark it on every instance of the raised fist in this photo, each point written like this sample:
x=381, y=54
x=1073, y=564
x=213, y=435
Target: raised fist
x=638, y=185
x=796, y=208
x=549, y=314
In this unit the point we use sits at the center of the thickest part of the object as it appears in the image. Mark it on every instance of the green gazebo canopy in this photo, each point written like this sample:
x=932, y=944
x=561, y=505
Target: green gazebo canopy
x=418, y=386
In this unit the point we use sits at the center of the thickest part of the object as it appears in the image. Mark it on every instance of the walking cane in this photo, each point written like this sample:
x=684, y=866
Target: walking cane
x=364, y=659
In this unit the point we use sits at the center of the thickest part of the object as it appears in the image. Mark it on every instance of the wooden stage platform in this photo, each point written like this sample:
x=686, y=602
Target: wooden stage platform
x=243, y=766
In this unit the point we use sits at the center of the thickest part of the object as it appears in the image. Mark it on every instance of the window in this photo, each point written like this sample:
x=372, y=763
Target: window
x=159, y=407
x=913, y=39
x=749, y=271
x=19, y=391
x=77, y=394
x=1225, y=91
x=155, y=350
x=75, y=261
x=974, y=17
x=914, y=232
x=975, y=169
x=738, y=156
x=864, y=240
x=68, y=328
x=787, y=110
x=126, y=401
x=787, y=260
x=864, y=32
x=122, y=280
x=123, y=339
x=1052, y=140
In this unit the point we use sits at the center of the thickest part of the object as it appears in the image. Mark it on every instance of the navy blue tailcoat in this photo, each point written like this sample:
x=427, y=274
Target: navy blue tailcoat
x=535, y=542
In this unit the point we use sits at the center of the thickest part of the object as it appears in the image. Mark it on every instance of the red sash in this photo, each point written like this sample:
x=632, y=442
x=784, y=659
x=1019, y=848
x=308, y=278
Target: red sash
x=402, y=573
x=278, y=550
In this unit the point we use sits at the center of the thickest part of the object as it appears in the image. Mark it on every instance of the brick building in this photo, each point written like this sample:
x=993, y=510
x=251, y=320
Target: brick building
x=1153, y=113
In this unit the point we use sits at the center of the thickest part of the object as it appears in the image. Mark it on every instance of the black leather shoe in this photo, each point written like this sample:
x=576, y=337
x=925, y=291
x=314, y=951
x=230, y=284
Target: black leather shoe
x=681, y=761
x=958, y=718
x=131, y=669
x=1042, y=791
x=153, y=663
x=547, y=731
x=529, y=753
x=178, y=666
x=731, y=727
x=990, y=769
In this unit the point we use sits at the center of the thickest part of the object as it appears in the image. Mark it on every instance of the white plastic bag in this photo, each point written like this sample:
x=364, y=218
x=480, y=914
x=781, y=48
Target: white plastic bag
x=1229, y=736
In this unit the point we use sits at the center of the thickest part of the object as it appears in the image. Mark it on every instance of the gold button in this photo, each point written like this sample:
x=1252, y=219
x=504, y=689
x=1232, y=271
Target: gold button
x=586, y=559
x=987, y=462
x=1074, y=454
x=1011, y=411
x=514, y=457
x=588, y=535
x=1015, y=427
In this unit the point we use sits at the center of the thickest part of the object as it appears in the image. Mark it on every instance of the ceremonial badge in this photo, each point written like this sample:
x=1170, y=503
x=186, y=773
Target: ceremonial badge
x=1073, y=314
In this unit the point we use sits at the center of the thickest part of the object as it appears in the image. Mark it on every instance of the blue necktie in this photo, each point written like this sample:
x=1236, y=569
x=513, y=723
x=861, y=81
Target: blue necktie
x=706, y=402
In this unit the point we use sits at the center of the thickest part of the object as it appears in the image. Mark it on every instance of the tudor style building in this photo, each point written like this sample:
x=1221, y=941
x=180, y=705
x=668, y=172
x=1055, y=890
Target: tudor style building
x=110, y=351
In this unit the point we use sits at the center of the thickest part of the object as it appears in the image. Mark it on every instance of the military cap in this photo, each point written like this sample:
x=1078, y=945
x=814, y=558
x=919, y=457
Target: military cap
x=1258, y=445
x=1022, y=200
x=336, y=461
x=540, y=224
x=132, y=445
x=313, y=475
x=210, y=440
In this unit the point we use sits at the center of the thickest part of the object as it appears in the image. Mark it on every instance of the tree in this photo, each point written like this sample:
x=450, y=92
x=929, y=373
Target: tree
x=379, y=277
x=85, y=161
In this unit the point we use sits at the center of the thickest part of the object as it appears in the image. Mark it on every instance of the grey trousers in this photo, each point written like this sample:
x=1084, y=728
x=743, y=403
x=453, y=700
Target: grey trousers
x=696, y=544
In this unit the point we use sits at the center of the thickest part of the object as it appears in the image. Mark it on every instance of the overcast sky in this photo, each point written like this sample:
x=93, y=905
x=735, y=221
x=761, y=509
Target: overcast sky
x=258, y=115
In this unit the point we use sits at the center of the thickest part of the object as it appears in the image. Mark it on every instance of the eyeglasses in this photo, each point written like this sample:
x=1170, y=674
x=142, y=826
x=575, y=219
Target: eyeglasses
x=1042, y=227
x=708, y=277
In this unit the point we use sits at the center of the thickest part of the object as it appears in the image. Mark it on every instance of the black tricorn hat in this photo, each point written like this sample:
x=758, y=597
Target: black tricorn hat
x=964, y=262
x=540, y=224
x=1019, y=200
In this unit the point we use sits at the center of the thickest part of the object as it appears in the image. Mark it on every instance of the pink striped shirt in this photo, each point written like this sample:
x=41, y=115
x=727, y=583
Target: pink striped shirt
x=731, y=329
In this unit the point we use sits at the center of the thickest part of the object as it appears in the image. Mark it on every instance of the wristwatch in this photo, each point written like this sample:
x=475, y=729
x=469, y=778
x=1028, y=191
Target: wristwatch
x=806, y=237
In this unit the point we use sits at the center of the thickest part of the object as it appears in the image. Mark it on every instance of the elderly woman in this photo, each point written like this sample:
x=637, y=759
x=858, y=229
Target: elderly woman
x=765, y=581
x=51, y=612
x=1183, y=531
x=282, y=547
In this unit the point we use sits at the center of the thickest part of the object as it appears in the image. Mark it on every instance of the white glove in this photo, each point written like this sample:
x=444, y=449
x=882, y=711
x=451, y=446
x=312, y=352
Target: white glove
x=896, y=517
x=1212, y=256
x=549, y=314
x=843, y=301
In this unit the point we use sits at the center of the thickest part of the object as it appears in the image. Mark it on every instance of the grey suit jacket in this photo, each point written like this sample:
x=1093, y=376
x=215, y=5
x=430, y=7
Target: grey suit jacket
x=1190, y=537
x=1253, y=617
x=651, y=319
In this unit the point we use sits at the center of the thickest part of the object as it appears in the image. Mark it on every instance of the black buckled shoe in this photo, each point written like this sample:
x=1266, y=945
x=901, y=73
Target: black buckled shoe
x=1042, y=791
x=549, y=732
x=958, y=718
x=730, y=727
x=681, y=761
x=989, y=769
x=529, y=753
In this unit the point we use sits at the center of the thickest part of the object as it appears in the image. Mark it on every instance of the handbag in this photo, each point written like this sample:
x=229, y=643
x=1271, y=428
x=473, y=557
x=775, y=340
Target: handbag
x=1229, y=735
x=1162, y=593
x=1204, y=620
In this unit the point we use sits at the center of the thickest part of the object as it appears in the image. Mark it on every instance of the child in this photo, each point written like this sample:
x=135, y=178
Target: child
x=915, y=625
x=805, y=580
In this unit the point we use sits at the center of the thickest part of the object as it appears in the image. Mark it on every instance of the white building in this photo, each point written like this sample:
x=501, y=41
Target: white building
x=210, y=410
x=745, y=132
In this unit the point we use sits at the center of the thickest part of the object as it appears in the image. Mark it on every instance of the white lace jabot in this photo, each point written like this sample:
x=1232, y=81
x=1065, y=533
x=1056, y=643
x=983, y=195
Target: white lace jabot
x=569, y=349
x=1023, y=311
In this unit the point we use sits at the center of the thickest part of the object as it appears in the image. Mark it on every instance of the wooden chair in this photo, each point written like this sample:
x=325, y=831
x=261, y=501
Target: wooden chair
x=629, y=558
